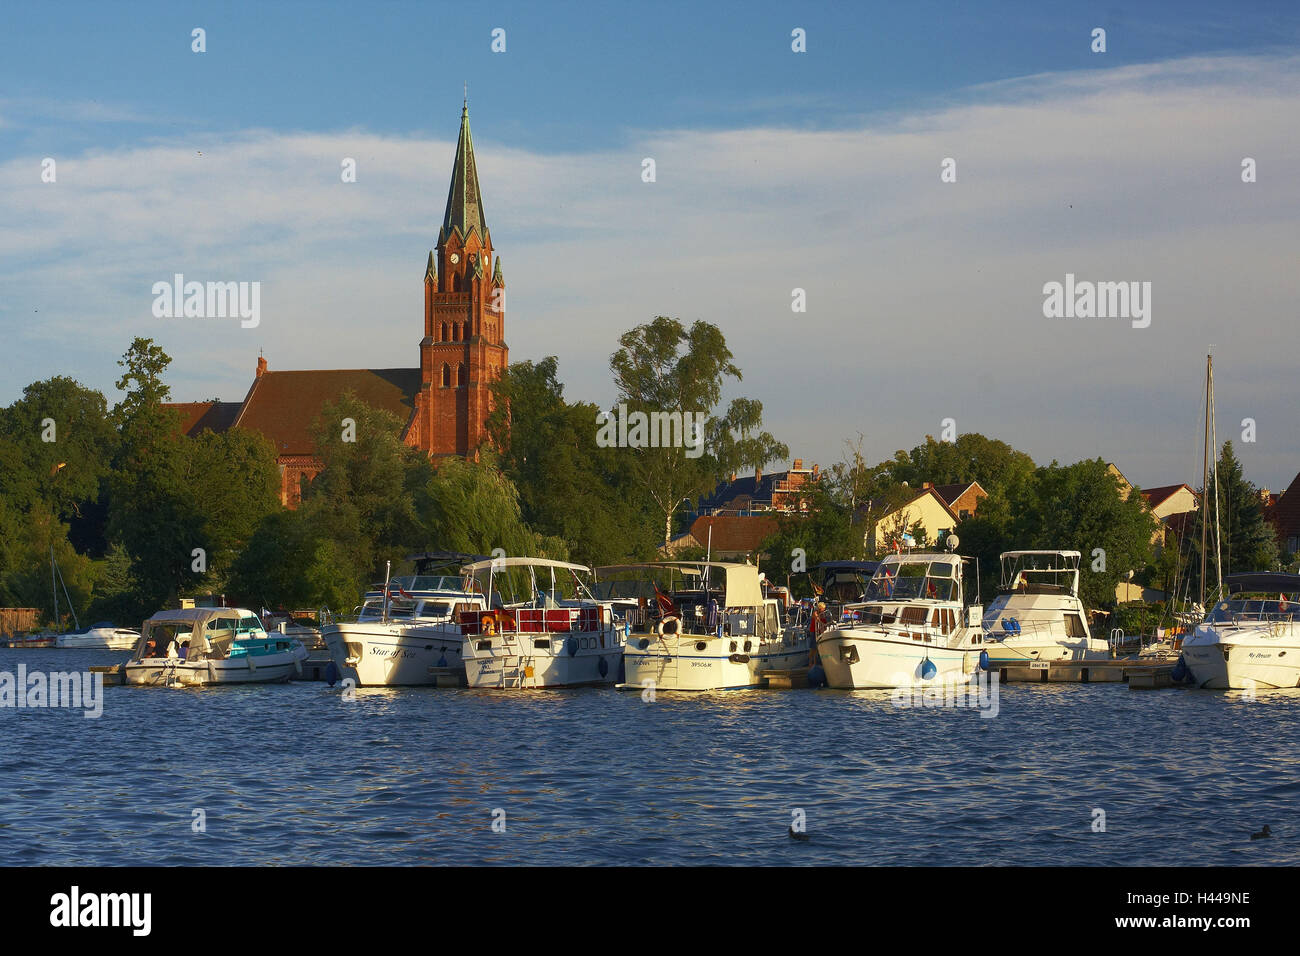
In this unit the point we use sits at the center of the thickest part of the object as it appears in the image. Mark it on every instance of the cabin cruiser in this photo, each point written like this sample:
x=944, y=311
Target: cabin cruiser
x=407, y=630
x=916, y=626
x=712, y=627
x=843, y=583
x=1037, y=615
x=211, y=645
x=1251, y=637
x=101, y=636
x=549, y=630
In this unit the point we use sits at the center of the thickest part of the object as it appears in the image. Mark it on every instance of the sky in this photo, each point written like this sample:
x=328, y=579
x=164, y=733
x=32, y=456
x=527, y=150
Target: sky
x=775, y=170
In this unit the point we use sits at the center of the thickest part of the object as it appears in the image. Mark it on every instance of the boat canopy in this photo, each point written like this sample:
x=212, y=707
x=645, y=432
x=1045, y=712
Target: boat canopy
x=497, y=563
x=1262, y=581
x=194, y=624
x=1040, y=572
x=743, y=585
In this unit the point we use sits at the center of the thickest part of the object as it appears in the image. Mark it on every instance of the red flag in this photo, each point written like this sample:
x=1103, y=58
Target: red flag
x=666, y=605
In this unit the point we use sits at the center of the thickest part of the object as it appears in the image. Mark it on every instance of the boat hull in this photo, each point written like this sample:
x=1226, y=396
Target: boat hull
x=1011, y=652
x=680, y=663
x=860, y=659
x=379, y=655
x=271, y=668
x=1246, y=667
x=542, y=661
x=99, y=639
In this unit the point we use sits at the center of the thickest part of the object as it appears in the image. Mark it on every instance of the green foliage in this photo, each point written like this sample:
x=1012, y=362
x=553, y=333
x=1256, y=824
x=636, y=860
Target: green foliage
x=824, y=533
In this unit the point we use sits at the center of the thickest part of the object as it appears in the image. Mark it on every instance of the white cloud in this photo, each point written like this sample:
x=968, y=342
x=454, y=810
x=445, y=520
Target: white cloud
x=924, y=298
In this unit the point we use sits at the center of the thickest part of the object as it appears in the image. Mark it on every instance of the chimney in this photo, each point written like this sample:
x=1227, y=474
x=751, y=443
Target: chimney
x=926, y=484
x=798, y=464
x=261, y=366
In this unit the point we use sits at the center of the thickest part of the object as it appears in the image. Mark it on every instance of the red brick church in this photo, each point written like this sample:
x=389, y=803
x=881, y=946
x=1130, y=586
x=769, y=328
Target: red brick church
x=446, y=401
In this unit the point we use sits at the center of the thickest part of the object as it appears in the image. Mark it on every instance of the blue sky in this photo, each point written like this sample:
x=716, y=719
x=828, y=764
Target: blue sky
x=776, y=170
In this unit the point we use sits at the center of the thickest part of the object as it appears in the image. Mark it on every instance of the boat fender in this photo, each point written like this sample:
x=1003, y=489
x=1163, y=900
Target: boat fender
x=442, y=661
x=739, y=658
x=984, y=660
x=669, y=626
x=297, y=666
x=1179, y=673
x=816, y=676
x=603, y=667
x=928, y=670
x=571, y=645
x=331, y=673
x=643, y=643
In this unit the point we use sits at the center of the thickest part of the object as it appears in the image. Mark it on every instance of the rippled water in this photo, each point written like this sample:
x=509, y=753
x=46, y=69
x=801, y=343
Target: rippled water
x=294, y=774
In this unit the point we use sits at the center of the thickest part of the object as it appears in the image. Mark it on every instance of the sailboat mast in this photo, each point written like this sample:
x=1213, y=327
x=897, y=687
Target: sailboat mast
x=1218, y=519
x=54, y=588
x=1205, y=474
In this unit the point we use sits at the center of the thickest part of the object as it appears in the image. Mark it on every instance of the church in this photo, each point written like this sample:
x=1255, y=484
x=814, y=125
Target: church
x=445, y=402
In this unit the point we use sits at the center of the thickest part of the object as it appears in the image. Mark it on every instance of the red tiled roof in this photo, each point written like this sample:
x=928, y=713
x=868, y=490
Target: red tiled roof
x=734, y=533
x=197, y=416
x=283, y=405
x=1155, y=497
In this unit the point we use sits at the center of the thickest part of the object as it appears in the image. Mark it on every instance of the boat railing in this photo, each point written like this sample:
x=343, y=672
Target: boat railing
x=592, y=617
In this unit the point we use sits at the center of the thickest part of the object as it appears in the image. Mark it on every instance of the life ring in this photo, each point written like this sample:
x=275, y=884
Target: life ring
x=669, y=626
x=489, y=624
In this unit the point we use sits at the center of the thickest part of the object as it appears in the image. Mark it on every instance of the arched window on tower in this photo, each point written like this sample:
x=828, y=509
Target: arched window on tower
x=461, y=379
x=466, y=333
x=446, y=375
x=444, y=333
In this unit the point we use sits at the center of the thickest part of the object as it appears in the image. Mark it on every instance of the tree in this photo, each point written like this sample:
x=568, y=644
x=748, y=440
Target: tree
x=1246, y=542
x=568, y=486
x=824, y=533
x=663, y=368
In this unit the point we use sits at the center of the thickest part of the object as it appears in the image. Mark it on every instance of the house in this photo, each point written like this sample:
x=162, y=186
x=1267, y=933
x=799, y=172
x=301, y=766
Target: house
x=777, y=491
x=926, y=508
x=1169, y=506
x=962, y=498
x=726, y=537
x=444, y=403
x=1284, y=515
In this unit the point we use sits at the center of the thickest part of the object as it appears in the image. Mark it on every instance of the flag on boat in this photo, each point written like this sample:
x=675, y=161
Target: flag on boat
x=818, y=590
x=1281, y=602
x=666, y=605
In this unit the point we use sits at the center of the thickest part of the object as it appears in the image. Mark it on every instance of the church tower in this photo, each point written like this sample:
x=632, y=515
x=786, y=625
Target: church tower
x=463, y=350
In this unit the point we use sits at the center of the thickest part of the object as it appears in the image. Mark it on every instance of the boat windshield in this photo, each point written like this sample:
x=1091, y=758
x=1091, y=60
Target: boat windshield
x=249, y=625
x=913, y=580
x=1280, y=608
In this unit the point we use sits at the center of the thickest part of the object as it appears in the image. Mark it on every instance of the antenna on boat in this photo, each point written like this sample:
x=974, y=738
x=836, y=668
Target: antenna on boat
x=388, y=570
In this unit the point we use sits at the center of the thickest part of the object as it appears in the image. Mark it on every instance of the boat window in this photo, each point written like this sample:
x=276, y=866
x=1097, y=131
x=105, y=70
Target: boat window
x=1074, y=626
x=249, y=624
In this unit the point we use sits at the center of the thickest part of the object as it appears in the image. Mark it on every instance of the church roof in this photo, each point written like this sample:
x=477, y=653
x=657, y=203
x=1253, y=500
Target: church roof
x=464, y=203
x=196, y=417
x=284, y=405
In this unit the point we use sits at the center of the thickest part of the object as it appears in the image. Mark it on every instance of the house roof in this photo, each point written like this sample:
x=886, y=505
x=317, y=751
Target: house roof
x=950, y=493
x=734, y=533
x=1155, y=497
x=873, y=502
x=198, y=416
x=284, y=405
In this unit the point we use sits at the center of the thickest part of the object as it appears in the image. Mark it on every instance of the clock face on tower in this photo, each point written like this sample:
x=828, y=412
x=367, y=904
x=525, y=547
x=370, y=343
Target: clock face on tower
x=455, y=258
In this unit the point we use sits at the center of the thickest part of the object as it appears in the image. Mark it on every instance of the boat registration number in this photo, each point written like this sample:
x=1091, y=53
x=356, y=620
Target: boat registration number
x=1038, y=665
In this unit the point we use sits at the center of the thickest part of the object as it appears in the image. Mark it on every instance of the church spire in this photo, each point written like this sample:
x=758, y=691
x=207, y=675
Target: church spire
x=464, y=204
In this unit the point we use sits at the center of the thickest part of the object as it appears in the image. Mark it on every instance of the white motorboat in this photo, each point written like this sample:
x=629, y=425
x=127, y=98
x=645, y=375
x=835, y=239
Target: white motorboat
x=407, y=633
x=101, y=636
x=916, y=627
x=710, y=627
x=541, y=635
x=1037, y=615
x=1251, y=638
x=211, y=645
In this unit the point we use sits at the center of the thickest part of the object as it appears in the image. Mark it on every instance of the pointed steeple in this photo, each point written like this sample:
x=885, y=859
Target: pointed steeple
x=464, y=204
x=497, y=277
x=431, y=271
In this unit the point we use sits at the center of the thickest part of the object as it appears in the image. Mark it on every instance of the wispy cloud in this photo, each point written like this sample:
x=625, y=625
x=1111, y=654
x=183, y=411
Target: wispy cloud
x=924, y=298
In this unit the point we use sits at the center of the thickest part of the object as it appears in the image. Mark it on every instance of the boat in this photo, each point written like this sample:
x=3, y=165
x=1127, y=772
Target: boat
x=1037, y=615
x=711, y=627
x=843, y=583
x=211, y=645
x=408, y=631
x=916, y=626
x=548, y=634
x=1251, y=637
x=102, y=636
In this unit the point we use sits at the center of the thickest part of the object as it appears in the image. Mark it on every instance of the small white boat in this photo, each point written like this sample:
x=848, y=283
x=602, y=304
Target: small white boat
x=916, y=627
x=211, y=645
x=1251, y=638
x=101, y=636
x=1037, y=615
x=406, y=634
x=710, y=627
x=555, y=636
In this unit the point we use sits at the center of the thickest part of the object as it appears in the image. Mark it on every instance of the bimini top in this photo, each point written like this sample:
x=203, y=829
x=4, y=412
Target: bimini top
x=200, y=614
x=1262, y=581
x=910, y=557
x=1021, y=554
x=743, y=588
x=496, y=563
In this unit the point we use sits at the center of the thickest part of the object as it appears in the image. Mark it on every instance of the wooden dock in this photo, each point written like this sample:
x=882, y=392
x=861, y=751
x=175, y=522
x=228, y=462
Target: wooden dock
x=784, y=680
x=313, y=668
x=114, y=674
x=1137, y=673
